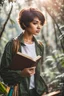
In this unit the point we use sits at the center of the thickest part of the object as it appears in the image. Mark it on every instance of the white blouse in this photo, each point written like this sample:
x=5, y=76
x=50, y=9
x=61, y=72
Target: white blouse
x=29, y=49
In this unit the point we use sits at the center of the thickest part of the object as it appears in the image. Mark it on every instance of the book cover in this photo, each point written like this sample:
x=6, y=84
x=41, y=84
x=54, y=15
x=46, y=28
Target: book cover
x=21, y=61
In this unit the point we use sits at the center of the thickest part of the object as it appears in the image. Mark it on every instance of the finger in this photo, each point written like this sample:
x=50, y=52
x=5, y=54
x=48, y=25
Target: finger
x=31, y=73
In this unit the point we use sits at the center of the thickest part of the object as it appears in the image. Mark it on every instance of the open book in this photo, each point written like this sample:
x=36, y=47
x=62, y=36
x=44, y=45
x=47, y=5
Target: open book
x=21, y=61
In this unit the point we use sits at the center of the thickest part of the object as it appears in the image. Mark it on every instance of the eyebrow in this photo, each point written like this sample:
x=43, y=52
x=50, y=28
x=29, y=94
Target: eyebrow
x=35, y=20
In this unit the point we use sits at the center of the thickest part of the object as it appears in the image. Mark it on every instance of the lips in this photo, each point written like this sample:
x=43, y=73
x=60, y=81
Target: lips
x=37, y=31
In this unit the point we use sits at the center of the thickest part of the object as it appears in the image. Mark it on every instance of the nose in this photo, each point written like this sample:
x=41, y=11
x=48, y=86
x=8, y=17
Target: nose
x=39, y=26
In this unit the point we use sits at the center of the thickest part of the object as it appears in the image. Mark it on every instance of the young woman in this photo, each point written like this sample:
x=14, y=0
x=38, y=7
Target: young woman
x=29, y=80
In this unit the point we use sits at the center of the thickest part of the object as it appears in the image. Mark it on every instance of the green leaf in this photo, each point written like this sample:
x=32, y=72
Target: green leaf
x=2, y=88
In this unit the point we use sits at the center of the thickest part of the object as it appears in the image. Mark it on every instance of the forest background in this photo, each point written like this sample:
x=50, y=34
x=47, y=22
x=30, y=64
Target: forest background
x=52, y=35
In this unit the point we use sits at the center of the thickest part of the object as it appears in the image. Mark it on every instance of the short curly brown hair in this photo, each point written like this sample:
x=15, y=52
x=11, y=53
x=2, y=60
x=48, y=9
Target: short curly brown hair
x=27, y=15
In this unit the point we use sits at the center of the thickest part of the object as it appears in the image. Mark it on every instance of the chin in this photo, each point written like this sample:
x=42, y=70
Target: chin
x=35, y=33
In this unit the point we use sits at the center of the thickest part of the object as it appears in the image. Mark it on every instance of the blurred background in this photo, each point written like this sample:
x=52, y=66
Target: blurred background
x=51, y=35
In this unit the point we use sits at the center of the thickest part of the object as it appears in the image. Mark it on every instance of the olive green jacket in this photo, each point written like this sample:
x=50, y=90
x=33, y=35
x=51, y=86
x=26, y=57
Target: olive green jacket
x=12, y=77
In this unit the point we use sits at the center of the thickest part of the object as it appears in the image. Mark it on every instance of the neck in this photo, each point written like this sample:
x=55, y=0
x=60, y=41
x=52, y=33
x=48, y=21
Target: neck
x=28, y=38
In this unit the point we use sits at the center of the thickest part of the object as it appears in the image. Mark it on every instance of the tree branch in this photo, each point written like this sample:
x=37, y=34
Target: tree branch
x=6, y=22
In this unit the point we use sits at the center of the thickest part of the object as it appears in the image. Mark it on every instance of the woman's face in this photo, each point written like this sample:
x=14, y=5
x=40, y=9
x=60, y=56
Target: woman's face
x=34, y=27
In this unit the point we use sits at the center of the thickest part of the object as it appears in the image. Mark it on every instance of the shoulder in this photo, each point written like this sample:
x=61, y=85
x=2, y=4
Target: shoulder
x=41, y=47
x=9, y=43
x=8, y=46
x=40, y=43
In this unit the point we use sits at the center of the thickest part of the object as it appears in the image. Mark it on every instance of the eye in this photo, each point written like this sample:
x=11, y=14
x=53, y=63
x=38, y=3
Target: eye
x=34, y=23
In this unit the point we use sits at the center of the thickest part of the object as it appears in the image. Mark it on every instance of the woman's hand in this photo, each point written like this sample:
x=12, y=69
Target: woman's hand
x=52, y=93
x=28, y=71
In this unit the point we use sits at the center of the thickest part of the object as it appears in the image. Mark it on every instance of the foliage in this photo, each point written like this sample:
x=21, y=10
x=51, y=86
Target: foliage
x=2, y=88
x=1, y=2
x=54, y=71
x=54, y=61
x=56, y=10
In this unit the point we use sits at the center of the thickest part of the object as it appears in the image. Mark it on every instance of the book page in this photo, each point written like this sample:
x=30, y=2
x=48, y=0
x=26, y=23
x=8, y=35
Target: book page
x=37, y=58
x=24, y=55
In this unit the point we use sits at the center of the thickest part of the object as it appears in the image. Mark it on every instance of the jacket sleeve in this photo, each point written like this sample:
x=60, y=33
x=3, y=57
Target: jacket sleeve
x=10, y=77
x=42, y=84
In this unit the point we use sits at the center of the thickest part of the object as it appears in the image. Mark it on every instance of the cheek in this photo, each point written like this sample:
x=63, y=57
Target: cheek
x=34, y=27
